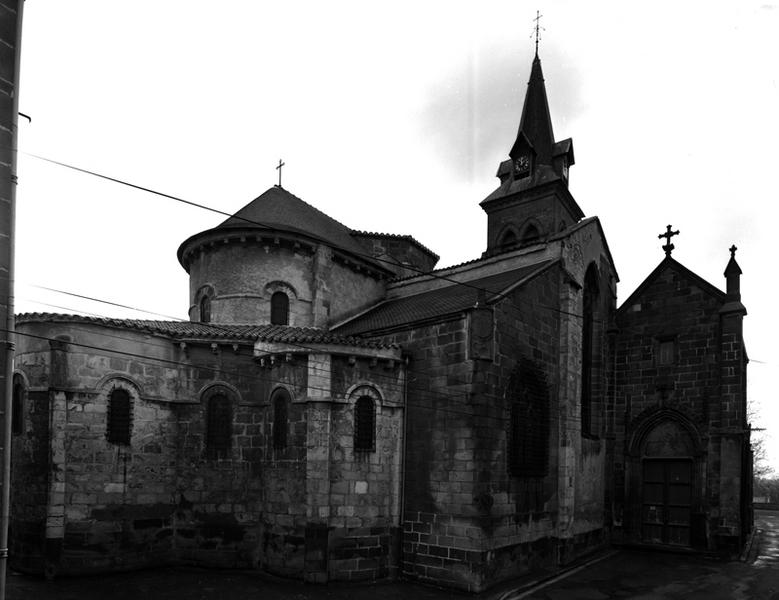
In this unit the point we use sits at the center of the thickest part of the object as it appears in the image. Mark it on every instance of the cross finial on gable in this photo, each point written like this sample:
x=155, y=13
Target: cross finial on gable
x=281, y=164
x=668, y=247
x=733, y=251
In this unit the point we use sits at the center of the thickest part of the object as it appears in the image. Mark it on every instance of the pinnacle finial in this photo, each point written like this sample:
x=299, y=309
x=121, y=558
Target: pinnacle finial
x=668, y=247
x=538, y=28
x=733, y=251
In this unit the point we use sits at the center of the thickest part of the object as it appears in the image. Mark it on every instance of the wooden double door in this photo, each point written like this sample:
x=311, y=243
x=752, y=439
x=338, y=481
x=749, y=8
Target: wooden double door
x=666, y=499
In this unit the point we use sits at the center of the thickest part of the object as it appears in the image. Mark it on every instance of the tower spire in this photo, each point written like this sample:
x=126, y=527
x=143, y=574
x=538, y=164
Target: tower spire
x=535, y=125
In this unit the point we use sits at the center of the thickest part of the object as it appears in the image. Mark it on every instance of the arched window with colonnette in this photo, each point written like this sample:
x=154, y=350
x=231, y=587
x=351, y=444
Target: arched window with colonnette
x=218, y=401
x=367, y=402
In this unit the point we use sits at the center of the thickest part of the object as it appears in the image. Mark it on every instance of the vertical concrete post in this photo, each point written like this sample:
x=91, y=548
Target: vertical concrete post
x=11, y=38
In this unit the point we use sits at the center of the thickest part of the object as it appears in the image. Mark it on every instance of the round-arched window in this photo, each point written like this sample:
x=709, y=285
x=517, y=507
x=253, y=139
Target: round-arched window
x=279, y=309
x=205, y=309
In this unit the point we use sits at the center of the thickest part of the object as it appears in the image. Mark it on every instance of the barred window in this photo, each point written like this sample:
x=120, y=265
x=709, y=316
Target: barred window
x=365, y=424
x=119, y=427
x=528, y=435
x=280, y=418
x=218, y=426
x=17, y=407
x=279, y=309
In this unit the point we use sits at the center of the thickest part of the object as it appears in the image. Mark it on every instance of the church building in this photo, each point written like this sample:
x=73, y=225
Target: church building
x=335, y=408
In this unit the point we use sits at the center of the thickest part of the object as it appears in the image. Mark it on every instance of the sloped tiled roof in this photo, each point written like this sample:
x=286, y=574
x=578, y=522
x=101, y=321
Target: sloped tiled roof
x=210, y=331
x=438, y=303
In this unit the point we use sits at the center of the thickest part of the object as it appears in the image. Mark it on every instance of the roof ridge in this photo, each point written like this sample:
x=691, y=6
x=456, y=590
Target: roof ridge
x=401, y=236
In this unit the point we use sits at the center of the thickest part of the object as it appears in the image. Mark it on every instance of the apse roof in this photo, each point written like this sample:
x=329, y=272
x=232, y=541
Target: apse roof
x=276, y=208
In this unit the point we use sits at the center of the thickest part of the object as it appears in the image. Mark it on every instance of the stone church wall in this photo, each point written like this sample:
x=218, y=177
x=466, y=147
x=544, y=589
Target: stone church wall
x=114, y=506
x=315, y=508
x=467, y=522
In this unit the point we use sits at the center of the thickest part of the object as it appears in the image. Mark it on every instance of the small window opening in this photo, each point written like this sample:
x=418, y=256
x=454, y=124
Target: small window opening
x=666, y=352
x=365, y=424
x=119, y=417
x=279, y=309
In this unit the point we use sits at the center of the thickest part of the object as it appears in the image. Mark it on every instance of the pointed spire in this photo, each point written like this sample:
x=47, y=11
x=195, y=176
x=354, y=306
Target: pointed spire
x=536, y=123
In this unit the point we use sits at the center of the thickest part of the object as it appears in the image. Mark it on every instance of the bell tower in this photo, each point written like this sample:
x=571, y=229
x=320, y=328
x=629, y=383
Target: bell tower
x=532, y=201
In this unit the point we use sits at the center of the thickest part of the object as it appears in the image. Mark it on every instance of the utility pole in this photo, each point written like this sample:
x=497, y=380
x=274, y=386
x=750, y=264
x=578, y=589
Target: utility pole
x=10, y=46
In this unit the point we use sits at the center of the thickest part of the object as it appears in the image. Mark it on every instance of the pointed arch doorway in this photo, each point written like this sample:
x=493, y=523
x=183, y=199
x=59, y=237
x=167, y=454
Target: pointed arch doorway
x=667, y=473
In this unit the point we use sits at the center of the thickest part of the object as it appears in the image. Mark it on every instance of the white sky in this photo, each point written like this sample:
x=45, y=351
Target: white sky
x=393, y=117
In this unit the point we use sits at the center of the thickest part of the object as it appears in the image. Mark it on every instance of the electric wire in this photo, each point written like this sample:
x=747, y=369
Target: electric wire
x=365, y=256
x=150, y=360
x=409, y=370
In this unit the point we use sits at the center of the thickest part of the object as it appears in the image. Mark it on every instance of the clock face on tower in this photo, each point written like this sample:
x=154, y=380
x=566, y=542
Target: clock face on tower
x=522, y=166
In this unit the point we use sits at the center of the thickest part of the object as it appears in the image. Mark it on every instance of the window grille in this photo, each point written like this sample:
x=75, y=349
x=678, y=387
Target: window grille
x=365, y=424
x=119, y=427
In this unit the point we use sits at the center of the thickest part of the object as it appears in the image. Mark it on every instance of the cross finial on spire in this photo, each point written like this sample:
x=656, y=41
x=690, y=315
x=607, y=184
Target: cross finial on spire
x=668, y=235
x=733, y=251
x=538, y=28
x=281, y=164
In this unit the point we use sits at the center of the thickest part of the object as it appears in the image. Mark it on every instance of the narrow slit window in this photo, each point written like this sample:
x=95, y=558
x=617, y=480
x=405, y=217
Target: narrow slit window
x=280, y=419
x=17, y=408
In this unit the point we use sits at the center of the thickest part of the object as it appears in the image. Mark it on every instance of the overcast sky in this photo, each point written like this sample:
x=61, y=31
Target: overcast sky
x=393, y=117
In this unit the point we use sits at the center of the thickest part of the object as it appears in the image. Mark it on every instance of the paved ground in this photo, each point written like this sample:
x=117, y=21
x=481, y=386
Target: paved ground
x=626, y=574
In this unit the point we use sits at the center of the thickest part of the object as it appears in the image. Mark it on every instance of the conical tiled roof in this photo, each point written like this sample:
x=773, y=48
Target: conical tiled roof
x=276, y=208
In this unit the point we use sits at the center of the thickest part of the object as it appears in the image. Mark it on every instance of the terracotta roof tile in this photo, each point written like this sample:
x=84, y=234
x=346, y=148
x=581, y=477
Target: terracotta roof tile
x=210, y=331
